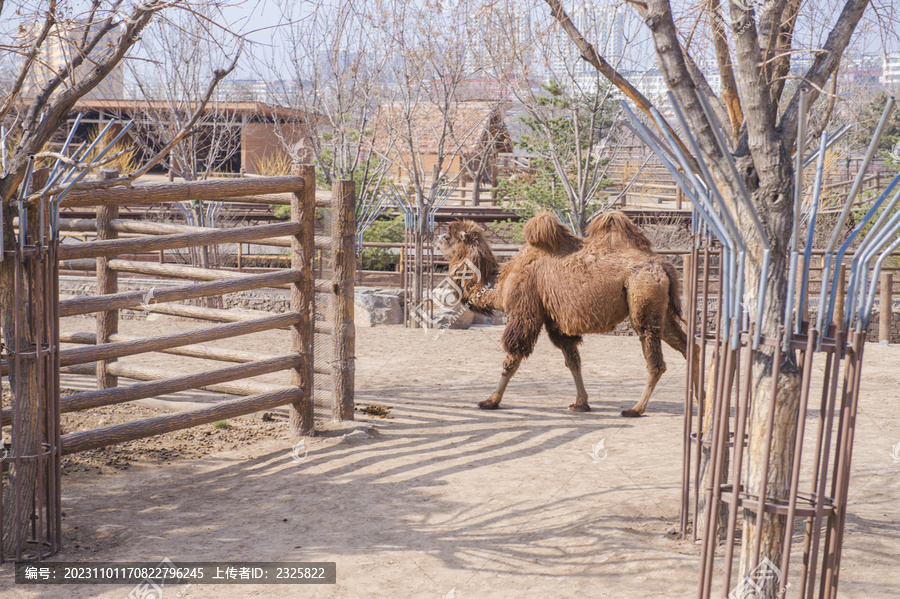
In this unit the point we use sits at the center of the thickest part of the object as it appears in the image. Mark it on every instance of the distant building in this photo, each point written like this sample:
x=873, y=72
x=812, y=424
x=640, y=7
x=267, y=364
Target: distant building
x=653, y=85
x=863, y=70
x=604, y=27
x=261, y=130
x=59, y=49
x=494, y=33
x=472, y=151
x=890, y=71
x=255, y=90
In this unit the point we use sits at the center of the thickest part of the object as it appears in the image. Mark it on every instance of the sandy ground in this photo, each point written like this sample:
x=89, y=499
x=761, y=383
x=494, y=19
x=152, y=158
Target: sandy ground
x=448, y=501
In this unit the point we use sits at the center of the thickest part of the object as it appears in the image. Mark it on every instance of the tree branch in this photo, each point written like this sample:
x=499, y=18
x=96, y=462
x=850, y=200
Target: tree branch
x=781, y=59
x=185, y=131
x=819, y=126
x=675, y=71
x=759, y=112
x=726, y=71
x=598, y=62
x=825, y=63
x=29, y=61
x=37, y=131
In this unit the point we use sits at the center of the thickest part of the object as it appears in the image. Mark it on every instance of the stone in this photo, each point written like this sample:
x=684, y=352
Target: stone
x=497, y=318
x=377, y=306
x=453, y=319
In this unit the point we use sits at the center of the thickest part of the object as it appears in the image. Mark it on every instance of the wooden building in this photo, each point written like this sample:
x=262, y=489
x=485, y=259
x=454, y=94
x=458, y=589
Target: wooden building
x=259, y=133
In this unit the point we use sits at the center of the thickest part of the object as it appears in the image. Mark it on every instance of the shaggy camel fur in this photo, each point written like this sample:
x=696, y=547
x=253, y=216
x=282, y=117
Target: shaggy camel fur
x=571, y=287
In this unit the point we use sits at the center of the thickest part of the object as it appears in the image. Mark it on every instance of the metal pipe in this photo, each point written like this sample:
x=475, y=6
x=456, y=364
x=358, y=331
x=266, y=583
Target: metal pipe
x=859, y=265
x=832, y=139
x=693, y=196
x=810, y=231
x=65, y=148
x=760, y=308
x=729, y=316
x=23, y=213
x=852, y=236
x=3, y=149
x=866, y=314
x=723, y=147
x=857, y=183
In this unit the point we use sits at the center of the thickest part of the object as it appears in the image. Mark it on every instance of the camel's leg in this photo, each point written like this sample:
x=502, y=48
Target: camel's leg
x=510, y=366
x=519, y=338
x=656, y=366
x=677, y=339
x=569, y=346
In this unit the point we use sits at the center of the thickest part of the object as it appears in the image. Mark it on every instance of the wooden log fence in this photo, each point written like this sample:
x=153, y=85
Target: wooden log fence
x=136, y=372
x=99, y=352
x=166, y=423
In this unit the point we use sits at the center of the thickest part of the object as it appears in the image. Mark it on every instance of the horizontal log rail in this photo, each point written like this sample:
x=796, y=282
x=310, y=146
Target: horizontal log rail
x=111, y=351
x=207, y=314
x=211, y=352
x=145, y=373
x=132, y=299
x=115, y=247
x=174, y=271
x=218, y=315
x=138, y=227
x=211, y=190
x=136, y=372
x=206, y=352
x=170, y=384
x=184, y=382
x=166, y=423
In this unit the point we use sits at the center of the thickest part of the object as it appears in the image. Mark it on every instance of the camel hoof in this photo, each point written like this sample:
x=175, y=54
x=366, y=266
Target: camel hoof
x=579, y=408
x=488, y=405
x=632, y=414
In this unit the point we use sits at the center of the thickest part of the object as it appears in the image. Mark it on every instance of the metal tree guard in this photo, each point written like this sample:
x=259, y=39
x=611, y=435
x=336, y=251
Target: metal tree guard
x=820, y=469
x=413, y=219
x=30, y=503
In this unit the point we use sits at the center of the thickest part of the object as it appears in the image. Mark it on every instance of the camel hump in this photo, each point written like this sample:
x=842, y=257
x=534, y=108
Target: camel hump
x=616, y=231
x=545, y=232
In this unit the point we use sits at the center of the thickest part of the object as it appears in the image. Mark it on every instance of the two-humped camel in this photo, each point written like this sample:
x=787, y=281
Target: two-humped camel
x=573, y=287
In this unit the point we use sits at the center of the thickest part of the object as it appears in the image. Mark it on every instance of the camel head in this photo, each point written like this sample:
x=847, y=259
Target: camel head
x=466, y=248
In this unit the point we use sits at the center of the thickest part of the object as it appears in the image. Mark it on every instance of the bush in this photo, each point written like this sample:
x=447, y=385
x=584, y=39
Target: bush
x=383, y=231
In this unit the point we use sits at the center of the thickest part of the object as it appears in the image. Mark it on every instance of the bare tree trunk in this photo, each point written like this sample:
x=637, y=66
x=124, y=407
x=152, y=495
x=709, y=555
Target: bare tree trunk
x=26, y=431
x=774, y=385
x=706, y=463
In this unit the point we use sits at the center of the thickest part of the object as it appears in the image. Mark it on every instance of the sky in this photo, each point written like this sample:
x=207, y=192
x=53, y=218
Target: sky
x=261, y=19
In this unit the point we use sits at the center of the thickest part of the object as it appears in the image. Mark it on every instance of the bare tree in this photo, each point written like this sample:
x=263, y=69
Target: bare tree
x=753, y=46
x=180, y=53
x=42, y=95
x=336, y=67
x=426, y=127
x=570, y=119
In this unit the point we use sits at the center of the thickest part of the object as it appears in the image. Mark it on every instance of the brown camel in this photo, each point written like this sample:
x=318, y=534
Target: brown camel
x=572, y=287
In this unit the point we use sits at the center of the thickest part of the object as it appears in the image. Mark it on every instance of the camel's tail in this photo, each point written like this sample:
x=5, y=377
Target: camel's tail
x=545, y=232
x=616, y=231
x=675, y=309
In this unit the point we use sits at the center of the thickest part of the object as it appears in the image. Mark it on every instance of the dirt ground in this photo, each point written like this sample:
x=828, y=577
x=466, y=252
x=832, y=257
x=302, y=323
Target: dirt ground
x=442, y=500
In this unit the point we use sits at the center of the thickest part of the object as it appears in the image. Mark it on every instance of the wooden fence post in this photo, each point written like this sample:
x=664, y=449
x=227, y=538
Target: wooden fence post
x=887, y=308
x=107, y=283
x=343, y=236
x=685, y=283
x=838, y=319
x=303, y=211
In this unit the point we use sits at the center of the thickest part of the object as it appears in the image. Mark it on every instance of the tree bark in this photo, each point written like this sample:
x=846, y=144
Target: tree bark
x=24, y=391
